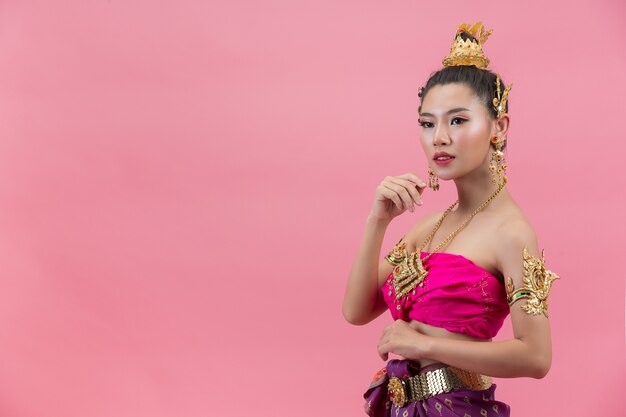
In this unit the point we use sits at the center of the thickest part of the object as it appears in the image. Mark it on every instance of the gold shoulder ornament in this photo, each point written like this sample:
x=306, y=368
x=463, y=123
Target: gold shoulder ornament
x=409, y=271
x=537, y=283
x=397, y=254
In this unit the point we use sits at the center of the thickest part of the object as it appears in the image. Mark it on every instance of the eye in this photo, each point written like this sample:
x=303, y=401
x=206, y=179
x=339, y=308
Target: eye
x=423, y=124
x=458, y=118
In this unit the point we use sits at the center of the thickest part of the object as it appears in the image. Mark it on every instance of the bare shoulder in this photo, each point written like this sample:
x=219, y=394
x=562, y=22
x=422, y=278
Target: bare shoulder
x=516, y=227
x=515, y=232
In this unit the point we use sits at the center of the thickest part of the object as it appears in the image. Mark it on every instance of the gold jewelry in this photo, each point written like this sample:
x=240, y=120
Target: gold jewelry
x=537, y=284
x=409, y=270
x=397, y=254
x=499, y=102
x=468, y=52
x=433, y=180
x=438, y=381
x=497, y=164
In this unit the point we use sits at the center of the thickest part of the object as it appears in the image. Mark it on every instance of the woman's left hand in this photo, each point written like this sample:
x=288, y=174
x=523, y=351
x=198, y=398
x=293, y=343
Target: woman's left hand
x=400, y=338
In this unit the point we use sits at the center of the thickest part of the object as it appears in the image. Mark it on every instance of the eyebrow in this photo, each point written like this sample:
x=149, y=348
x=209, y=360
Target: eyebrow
x=454, y=110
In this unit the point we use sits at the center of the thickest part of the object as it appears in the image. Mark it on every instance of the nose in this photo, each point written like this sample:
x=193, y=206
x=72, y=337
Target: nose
x=441, y=136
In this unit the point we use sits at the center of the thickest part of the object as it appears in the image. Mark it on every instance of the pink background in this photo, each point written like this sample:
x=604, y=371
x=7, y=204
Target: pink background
x=184, y=185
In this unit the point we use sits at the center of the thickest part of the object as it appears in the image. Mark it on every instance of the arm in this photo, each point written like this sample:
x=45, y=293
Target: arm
x=502, y=359
x=529, y=353
x=361, y=303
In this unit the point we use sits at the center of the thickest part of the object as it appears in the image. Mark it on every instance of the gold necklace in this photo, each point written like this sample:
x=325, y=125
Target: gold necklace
x=411, y=272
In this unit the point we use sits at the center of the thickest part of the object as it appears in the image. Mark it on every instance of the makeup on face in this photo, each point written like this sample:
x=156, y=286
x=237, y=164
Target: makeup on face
x=442, y=158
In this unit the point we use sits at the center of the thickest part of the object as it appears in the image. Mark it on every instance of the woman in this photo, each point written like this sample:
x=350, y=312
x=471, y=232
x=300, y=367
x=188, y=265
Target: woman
x=447, y=306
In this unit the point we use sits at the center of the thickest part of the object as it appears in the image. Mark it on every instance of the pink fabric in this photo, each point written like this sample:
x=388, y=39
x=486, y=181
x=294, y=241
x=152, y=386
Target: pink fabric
x=457, y=295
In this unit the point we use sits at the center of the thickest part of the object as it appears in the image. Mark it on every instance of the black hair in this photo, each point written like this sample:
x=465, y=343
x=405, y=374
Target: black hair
x=481, y=81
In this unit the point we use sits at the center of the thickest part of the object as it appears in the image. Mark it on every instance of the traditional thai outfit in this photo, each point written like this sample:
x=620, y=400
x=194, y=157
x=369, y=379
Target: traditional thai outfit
x=461, y=297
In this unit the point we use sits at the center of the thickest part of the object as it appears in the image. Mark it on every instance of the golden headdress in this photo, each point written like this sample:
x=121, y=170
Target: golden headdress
x=470, y=52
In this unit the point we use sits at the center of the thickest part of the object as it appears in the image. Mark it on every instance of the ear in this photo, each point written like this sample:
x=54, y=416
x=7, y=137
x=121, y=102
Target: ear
x=501, y=125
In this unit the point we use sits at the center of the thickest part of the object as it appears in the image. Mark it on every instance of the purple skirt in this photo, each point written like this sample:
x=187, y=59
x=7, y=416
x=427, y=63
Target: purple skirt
x=462, y=402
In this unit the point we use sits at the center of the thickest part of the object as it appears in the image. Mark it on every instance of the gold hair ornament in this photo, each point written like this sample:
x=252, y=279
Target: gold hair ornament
x=499, y=102
x=469, y=51
x=537, y=283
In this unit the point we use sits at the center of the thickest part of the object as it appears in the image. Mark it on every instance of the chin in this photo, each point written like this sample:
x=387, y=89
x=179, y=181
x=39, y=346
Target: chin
x=445, y=176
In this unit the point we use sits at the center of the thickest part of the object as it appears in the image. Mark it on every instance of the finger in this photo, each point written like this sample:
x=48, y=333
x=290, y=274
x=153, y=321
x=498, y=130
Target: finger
x=419, y=183
x=414, y=326
x=414, y=178
x=404, y=188
x=383, y=353
x=402, y=193
x=415, y=185
x=411, y=189
x=393, y=196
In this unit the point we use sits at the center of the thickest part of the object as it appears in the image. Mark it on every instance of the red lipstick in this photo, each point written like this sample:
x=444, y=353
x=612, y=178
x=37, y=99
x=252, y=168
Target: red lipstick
x=442, y=158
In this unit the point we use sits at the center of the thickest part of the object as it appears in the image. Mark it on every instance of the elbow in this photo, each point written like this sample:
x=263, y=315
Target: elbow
x=352, y=318
x=537, y=359
x=541, y=368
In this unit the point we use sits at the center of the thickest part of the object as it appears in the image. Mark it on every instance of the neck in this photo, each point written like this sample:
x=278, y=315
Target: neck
x=474, y=189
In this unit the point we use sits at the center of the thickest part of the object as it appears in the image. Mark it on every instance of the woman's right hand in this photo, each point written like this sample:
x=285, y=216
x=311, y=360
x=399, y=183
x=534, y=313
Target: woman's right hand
x=396, y=194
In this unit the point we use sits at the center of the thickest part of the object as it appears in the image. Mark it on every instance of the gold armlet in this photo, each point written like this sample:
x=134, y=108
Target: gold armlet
x=398, y=253
x=537, y=283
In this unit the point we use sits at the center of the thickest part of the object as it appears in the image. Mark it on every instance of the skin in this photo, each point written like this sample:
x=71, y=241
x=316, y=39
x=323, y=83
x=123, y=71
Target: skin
x=494, y=240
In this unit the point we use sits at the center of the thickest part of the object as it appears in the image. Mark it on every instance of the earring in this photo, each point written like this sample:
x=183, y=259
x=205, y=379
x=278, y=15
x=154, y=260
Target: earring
x=497, y=164
x=433, y=180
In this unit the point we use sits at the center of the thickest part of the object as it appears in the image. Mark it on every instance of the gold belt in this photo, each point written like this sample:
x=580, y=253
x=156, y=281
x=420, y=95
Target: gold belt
x=438, y=381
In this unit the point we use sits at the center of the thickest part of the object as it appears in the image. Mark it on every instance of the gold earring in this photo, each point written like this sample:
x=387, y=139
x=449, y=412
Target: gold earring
x=433, y=180
x=497, y=165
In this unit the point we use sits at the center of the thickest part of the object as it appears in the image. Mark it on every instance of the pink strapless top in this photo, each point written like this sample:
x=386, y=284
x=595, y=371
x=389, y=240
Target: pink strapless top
x=457, y=295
